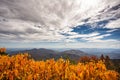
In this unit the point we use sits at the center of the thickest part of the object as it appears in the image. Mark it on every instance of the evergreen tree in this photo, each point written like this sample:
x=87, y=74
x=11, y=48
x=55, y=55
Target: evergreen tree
x=102, y=57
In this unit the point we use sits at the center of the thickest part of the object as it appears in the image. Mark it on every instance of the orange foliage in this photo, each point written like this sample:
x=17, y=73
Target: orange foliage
x=88, y=59
x=20, y=67
x=2, y=50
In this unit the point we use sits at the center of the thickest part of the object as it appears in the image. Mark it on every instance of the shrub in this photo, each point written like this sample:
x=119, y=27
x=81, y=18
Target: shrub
x=21, y=67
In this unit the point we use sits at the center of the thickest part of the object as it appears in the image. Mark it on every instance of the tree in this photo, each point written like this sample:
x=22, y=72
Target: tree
x=84, y=59
x=3, y=51
x=108, y=63
x=102, y=57
x=107, y=58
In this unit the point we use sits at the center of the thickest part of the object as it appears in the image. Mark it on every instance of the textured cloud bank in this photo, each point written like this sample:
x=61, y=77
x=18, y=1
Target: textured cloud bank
x=54, y=20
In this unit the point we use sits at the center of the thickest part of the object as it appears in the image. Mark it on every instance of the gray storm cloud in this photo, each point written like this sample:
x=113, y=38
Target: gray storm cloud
x=47, y=20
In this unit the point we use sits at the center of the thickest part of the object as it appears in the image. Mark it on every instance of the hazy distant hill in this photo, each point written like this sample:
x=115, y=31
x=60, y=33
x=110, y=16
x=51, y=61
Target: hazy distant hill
x=73, y=53
x=76, y=52
x=114, y=55
x=37, y=54
x=42, y=53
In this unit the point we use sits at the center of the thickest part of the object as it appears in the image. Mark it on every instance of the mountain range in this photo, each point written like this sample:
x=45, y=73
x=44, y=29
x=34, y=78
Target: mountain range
x=75, y=54
x=43, y=54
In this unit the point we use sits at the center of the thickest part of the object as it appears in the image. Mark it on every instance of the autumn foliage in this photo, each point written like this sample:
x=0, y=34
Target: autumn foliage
x=3, y=51
x=21, y=67
x=85, y=59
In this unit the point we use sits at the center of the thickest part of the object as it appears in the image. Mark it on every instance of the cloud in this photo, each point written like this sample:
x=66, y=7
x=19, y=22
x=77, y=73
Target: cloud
x=54, y=20
x=83, y=35
x=113, y=24
x=100, y=38
x=109, y=31
x=106, y=44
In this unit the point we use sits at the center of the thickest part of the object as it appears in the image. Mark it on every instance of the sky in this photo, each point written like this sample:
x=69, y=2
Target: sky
x=60, y=23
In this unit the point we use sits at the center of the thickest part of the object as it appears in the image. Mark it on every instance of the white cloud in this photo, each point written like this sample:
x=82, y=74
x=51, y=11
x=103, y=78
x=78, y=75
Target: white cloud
x=83, y=35
x=48, y=20
x=98, y=38
x=105, y=44
x=111, y=30
x=113, y=24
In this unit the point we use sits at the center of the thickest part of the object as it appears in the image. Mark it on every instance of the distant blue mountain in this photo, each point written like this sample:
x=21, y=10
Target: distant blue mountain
x=113, y=53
